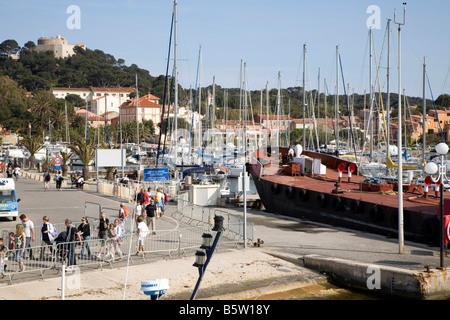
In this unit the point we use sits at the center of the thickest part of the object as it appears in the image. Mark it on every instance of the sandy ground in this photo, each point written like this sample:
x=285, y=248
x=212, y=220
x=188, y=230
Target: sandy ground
x=233, y=275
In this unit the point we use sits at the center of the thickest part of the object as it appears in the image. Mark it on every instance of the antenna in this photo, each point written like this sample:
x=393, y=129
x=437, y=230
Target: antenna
x=404, y=16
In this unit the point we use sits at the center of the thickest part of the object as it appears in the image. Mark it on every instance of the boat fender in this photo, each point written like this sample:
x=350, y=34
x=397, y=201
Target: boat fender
x=275, y=188
x=337, y=203
x=321, y=200
x=303, y=194
x=290, y=192
x=355, y=206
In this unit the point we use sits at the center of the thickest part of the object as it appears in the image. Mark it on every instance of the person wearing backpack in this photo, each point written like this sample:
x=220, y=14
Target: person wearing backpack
x=46, y=180
x=48, y=235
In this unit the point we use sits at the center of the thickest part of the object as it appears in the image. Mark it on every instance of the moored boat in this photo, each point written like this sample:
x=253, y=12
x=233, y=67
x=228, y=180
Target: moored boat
x=328, y=189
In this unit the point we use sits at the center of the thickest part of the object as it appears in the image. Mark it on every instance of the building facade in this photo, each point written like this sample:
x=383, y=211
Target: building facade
x=58, y=45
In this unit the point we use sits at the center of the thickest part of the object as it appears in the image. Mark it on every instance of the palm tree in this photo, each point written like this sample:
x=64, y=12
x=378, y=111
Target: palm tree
x=33, y=144
x=84, y=149
x=42, y=106
x=65, y=157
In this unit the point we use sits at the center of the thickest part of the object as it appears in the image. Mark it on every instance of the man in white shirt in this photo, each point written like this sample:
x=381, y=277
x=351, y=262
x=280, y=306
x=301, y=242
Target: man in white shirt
x=29, y=232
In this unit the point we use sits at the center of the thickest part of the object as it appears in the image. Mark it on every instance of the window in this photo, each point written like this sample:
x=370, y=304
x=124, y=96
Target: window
x=6, y=196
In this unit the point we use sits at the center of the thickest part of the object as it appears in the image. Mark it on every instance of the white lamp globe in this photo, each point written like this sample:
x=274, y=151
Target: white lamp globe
x=442, y=148
x=431, y=168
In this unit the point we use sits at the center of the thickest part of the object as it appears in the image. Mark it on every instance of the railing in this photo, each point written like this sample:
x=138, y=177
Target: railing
x=50, y=257
x=156, y=243
x=233, y=224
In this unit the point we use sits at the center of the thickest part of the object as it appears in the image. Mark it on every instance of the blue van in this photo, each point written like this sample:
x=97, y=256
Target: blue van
x=9, y=206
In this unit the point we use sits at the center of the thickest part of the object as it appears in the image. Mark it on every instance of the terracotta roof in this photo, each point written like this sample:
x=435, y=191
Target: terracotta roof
x=69, y=89
x=144, y=101
x=119, y=89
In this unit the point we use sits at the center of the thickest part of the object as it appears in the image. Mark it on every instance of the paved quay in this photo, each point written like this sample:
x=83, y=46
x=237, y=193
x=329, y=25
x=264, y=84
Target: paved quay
x=294, y=254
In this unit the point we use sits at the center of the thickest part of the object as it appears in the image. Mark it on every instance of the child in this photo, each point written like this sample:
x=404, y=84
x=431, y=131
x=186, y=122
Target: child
x=3, y=250
x=11, y=245
x=142, y=232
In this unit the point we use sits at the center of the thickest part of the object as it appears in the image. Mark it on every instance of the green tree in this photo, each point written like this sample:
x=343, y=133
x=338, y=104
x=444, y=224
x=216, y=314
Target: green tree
x=9, y=47
x=33, y=144
x=85, y=150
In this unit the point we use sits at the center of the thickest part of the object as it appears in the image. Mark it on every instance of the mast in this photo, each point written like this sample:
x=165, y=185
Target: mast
x=388, y=101
x=304, y=97
x=337, y=100
x=424, y=113
x=318, y=106
x=260, y=118
x=326, y=117
x=269, y=132
x=278, y=108
x=399, y=140
x=199, y=98
x=175, y=67
x=370, y=97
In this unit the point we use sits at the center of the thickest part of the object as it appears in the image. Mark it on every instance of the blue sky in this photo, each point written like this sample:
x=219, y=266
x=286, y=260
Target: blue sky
x=267, y=35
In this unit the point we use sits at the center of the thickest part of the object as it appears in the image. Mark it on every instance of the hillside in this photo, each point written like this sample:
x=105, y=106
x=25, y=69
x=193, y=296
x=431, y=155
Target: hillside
x=35, y=71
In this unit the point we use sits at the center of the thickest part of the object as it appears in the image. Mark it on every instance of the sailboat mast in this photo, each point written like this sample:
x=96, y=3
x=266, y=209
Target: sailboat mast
x=326, y=117
x=267, y=114
x=304, y=97
x=337, y=100
x=370, y=97
x=399, y=141
x=175, y=67
x=260, y=117
x=424, y=113
x=388, y=101
x=278, y=108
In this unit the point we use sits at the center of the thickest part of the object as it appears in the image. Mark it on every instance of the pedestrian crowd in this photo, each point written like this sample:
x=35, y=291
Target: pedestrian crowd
x=149, y=207
x=11, y=169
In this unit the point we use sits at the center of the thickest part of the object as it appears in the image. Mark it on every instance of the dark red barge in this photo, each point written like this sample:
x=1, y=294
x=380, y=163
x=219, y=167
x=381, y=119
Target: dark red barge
x=286, y=188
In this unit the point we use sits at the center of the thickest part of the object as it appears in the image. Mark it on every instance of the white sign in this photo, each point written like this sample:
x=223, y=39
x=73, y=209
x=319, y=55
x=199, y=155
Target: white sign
x=110, y=158
x=247, y=183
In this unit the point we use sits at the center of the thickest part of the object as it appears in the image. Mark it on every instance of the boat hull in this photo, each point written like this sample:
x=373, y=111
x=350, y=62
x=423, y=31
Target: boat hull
x=374, y=212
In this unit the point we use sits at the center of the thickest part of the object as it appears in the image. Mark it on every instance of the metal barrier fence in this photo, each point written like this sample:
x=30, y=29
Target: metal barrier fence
x=233, y=224
x=87, y=253
x=50, y=257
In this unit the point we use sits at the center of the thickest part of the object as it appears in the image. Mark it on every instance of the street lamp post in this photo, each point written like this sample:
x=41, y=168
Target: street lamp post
x=431, y=168
x=202, y=258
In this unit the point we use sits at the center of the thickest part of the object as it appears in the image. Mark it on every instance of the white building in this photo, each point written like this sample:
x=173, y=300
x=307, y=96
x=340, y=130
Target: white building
x=100, y=99
x=58, y=45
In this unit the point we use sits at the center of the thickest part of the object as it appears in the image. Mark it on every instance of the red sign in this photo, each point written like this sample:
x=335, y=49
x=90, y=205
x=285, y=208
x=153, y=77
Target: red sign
x=57, y=161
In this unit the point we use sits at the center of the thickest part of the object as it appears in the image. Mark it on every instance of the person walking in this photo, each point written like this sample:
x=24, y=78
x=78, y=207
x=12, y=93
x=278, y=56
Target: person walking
x=3, y=250
x=84, y=231
x=48, y=235
x=123, y=213
x=59, y=179
x=143, y=231
x=159, y=201
x=17, y=172
x=115, y=234
x=20, y=241
x=150, y=215
x=102, y=233
x=46, y=180
x=71, y=241
x=29, y=231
